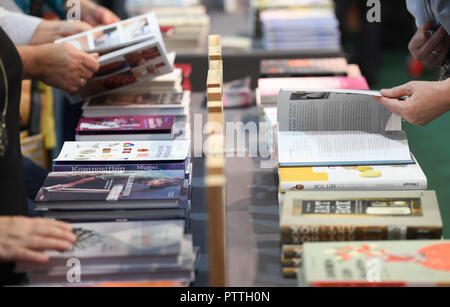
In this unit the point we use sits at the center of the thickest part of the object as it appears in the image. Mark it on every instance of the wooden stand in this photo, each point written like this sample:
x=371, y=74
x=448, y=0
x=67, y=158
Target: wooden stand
x=215, y=179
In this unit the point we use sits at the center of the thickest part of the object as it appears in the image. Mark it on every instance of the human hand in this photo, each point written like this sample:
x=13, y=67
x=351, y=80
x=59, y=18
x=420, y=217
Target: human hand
x=428, y=47
x=65, y=67
x=95, y=14
x=426, y=101
x=25, y=239
x=49, y=31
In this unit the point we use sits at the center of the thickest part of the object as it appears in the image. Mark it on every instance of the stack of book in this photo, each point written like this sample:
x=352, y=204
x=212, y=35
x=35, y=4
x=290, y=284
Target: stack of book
x=346, y=173
x=142, y=252
x=128, y=175
x=188, y=21
x=332, y=73
x=118, y=181
x=297, y=25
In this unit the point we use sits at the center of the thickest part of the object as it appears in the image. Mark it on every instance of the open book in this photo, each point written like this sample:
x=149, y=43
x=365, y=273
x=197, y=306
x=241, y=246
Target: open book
x=132, y=51
x=338, y=127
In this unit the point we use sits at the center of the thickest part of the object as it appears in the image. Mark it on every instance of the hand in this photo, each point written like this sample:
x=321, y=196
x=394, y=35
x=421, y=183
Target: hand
x=430, y=49
x=24, y=239
x=427, y=101
x=49, y=31
x=65, y=67
x=95, y=14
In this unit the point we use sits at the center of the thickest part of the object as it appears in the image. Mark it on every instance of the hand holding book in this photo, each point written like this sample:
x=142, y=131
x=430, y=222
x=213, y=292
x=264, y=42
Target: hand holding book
x=426, y=101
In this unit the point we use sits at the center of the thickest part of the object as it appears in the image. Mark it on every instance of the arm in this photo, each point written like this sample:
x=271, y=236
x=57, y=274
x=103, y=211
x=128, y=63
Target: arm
x=24, y=239
x=427, y=101
x=59, y=65
x=49, y=31
x=92, y=13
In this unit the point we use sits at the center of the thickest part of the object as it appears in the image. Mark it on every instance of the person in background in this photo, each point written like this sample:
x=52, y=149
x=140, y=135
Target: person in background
x=91, y=12
x=426, y=100
x=21, y=239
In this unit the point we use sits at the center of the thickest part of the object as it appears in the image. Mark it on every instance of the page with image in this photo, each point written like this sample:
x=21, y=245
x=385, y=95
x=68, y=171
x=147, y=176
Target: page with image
x=334, y=110
x=112, y=37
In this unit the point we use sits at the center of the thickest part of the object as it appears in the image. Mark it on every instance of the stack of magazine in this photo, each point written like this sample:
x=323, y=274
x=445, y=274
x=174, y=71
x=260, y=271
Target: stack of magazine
x=142, y=252
x=346, y=173
x=296, y=25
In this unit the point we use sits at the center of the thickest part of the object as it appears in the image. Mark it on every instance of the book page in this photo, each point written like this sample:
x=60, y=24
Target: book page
x=317, y=148
x=336, y=110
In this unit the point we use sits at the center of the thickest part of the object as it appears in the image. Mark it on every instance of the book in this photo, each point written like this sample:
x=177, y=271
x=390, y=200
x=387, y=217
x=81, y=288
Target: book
x=108, y=38
x=360, y=216
x=379, y=263
x=125, y=128
x=338, y=128
x=269, y=88
x=111, y=190
x=138, y=104
x=126, y=61
x=353, y=178
x=145, y=152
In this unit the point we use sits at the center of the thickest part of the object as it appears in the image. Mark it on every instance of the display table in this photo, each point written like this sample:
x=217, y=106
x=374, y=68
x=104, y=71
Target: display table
x=253, y=247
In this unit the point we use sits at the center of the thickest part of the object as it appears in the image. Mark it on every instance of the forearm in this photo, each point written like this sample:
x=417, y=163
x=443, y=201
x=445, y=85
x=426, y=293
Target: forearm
x=446, y=93
x=31, y=61
x=46, y=33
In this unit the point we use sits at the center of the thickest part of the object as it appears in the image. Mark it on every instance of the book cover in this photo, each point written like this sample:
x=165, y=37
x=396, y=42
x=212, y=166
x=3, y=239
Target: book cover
x=405, y=263
x=150, y=151
x=128, y=124
x=359, y=216
x=353, y=178
x=112, y=186
x=121, y=240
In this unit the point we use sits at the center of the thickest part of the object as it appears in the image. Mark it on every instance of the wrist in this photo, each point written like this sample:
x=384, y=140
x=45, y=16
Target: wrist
x=445, y=85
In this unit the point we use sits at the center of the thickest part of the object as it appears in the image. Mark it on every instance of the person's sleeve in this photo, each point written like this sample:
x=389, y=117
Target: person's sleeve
x=417, y=9
x=58, y=7
x=19, y=35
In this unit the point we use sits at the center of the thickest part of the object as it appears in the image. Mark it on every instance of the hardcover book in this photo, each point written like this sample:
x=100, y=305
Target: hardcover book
x=126, y=127
x=360, y=216
x=379, y=263
x=353, y=178
x=337, y=128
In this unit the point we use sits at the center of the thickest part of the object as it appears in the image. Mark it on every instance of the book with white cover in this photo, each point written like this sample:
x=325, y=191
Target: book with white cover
x=150, y=151
x=353, y=178
x=338, y=127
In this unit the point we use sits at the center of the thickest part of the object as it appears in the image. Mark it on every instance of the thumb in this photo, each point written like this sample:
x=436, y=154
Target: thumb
x=426, y=26
x=394, y=105
x=398, y=92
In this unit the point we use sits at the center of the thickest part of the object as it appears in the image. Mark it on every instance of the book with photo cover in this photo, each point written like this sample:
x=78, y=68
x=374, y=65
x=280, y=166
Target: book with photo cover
x=360, y=216
x=111, y=190
x=125, y=128
x=138, y=104
x=150, y=152
x=319, y=127
x=376, y=264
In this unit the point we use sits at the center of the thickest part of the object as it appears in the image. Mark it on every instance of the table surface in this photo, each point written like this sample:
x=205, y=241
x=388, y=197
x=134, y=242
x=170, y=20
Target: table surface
x=253, y=240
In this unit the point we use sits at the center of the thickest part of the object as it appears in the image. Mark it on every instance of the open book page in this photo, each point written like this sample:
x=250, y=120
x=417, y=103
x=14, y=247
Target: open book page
x=334, y=110
x=330, y=148
x=112, y=37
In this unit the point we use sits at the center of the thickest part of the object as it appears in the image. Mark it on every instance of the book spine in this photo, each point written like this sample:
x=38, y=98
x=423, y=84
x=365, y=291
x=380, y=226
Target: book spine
x=302, y=234
x=117, y=167
x=292, y=251
x=290, y=273
x=291, y=262
x=388, y=185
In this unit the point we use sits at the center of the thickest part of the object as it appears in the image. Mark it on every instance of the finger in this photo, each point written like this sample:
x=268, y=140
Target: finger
x=90, y=63
x=55, y=233
x=398, y=92
x=421, y=37
x=394, y=105
x=444, y=53
x=59, y=224
x=25, y=255
x=41, y=243
x=434, y=42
